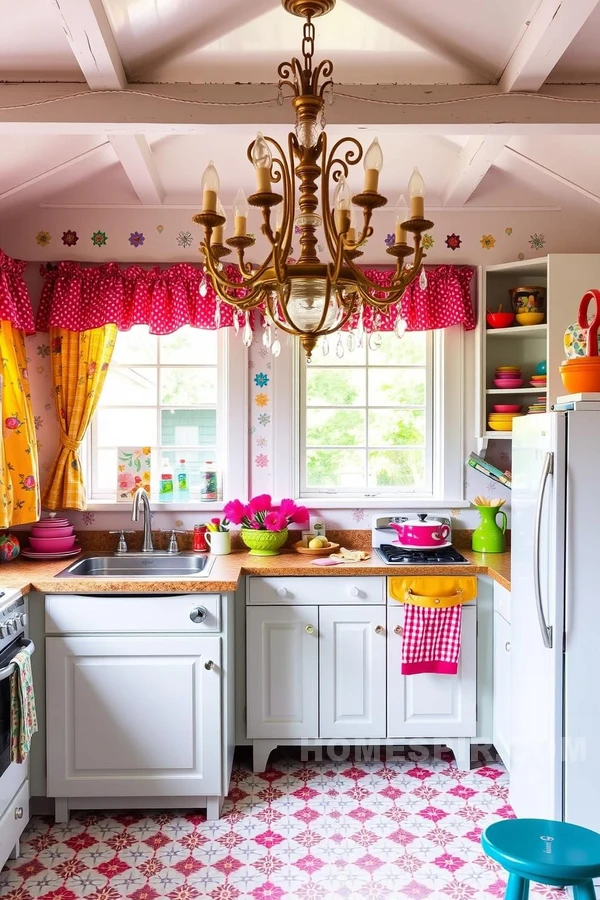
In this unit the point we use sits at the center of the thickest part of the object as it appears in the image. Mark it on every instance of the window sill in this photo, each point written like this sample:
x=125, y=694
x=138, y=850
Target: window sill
x=157, y=507
x=329, y=501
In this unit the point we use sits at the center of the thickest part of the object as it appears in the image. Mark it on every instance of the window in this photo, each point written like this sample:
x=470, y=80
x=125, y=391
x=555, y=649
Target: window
x=169, y=393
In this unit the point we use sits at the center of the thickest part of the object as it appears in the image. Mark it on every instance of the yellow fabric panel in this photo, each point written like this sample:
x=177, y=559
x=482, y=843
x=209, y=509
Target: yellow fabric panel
x=80, y=361
x=19, y=482
x=434, y=591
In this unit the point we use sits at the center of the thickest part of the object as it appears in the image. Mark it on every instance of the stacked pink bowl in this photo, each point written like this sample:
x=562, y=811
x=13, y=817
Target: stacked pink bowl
x=52, y=538
x=508, y=377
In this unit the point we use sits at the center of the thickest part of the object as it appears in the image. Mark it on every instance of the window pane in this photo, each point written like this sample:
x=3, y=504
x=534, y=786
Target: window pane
x=189, y=346
x=331, y=387
x=188, y=427
x=397, y=468
x=129, y=387
x=135, y=346
x=410, y=350
x=332, y=469
x=397, y=427
x=106, y=473
x=335, y=427
x=126, y=428
x=187, y=387
x=396, y=387
x=357, y=357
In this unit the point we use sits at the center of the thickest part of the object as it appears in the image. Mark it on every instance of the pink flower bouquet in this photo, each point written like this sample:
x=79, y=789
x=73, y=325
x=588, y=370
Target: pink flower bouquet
x=264, y=525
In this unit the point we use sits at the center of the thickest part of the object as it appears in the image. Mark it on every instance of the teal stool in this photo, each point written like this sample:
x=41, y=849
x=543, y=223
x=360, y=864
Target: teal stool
x=547, y=852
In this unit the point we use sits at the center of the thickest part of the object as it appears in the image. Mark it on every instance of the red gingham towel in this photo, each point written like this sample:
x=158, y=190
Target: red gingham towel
x=431, y=640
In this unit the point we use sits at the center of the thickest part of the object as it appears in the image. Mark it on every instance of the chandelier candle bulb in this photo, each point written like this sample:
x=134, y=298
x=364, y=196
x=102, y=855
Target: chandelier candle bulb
x=416, y=189
x=240, y=212
x=218, y=231
x=210, y=188
x=342, y=202
x=401, y=216
x=262, y=160
x=373, y=166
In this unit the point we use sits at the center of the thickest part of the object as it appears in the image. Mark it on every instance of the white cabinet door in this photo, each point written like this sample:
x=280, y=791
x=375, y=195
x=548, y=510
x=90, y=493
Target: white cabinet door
x=133, y=716
x=352, y=647
x=282, y=671
x=432, y=705
x=502, y=688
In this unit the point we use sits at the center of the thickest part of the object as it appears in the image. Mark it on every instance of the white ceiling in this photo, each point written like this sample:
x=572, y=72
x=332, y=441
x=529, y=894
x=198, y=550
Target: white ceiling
x=169, y=41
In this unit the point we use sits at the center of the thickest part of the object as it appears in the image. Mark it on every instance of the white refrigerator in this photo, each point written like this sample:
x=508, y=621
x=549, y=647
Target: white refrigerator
x=555, y=615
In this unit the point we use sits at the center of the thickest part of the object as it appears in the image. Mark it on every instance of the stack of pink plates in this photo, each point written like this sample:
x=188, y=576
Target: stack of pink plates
x=52, y=538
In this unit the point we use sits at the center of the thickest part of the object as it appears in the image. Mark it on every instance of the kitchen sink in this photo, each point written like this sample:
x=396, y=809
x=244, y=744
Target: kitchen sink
x=140, y=565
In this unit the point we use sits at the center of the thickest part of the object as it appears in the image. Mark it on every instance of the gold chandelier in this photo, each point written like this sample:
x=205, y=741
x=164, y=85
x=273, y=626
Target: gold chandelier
x=309, y=298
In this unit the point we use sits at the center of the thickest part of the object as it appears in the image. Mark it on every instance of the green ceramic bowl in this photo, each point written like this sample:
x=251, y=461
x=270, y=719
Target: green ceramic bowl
x=264, y=543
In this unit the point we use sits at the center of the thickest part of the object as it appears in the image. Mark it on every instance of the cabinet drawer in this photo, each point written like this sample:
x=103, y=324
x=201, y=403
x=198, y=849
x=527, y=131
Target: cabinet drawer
x=502, y=601
x=316, y=591
x=80, y=614
x=13, y=822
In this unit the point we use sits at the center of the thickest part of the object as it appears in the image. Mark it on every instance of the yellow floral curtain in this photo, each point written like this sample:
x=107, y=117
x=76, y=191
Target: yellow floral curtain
x=19, y=482
x=80, y=362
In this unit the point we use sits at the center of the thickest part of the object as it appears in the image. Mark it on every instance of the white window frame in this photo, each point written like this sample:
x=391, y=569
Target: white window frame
x=232, y=433
x=448, y=427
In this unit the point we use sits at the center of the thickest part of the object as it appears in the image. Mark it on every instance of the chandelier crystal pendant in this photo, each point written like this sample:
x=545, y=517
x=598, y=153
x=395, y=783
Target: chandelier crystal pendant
x=310, y=298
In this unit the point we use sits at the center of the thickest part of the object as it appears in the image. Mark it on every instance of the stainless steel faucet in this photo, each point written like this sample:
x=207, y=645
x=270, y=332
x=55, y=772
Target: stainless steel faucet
x=142, y=496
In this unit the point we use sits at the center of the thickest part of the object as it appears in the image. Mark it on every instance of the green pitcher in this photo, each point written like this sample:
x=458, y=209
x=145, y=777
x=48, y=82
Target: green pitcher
x=489, y=537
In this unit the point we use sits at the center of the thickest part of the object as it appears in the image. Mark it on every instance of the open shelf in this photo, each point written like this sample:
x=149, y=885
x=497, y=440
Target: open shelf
x=529, y=390
x=497, y=435
x=518, y=330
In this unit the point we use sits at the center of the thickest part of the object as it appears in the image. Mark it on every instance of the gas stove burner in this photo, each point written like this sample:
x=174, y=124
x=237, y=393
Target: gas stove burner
x=399, y=556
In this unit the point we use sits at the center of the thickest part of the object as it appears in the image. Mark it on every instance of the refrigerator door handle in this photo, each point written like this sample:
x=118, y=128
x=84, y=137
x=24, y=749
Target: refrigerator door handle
x=544, y=627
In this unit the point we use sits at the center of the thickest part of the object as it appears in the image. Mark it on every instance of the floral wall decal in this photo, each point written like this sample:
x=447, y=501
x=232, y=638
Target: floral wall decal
x=43, y=238
x=453, y=241
x=390, y=240
x=160, y=228
x=261, y=379
x=136, y=238
x=537, y=241
x=43, y=350
x=261, y=399
x=508, y=231
x=358, y=515
x=261, y=460
x=520, y=256
x=184, y=239
x=487, y=241
x=428, y=241
x=69, y=238
x=99, y=238
x=264, y=419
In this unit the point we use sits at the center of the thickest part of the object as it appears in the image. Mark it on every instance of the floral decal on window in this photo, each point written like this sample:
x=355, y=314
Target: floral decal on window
x=261, y=399
x=43, y=238
x=69, y=238
x=261, y=379
x=487, y=241
x=99, y=238
x=261, y=460
x=264, y=419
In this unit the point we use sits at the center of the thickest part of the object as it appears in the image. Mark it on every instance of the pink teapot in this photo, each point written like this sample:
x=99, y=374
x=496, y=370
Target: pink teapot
x=421, y=533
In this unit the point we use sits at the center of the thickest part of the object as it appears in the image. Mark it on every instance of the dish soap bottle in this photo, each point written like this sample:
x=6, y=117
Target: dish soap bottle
x=208, y=485
x=183, y=486
x=165, y=485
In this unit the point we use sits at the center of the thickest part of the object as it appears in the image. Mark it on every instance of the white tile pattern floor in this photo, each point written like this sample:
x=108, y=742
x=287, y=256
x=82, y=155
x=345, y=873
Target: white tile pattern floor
x=302, y=830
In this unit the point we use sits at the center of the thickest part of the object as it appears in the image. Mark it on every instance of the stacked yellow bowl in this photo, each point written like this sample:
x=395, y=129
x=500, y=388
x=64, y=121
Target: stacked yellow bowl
x=502, y=421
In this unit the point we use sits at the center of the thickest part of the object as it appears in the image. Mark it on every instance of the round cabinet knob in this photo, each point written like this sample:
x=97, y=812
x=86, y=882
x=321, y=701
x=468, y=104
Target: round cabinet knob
x=23, y=619
x=18, y=812
x=507, y=646
x=209, y=664
x=354, y=592
x=399, y=630
x=310, y=629
x=198, y=615
x=281, y=592
x=379, y=629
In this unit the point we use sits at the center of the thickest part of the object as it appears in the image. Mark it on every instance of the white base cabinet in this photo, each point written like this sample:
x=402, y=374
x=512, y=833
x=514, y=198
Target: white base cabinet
x=330, y=671
x=502, y=673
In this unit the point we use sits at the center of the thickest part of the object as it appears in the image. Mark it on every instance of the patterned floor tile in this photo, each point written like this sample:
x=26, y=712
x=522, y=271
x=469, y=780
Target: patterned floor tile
x=372, y=829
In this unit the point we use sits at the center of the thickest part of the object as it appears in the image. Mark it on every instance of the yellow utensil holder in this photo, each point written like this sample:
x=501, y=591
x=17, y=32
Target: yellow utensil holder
x=433, y=591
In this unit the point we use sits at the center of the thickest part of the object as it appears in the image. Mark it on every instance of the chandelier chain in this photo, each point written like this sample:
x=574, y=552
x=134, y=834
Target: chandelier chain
x=308, y=44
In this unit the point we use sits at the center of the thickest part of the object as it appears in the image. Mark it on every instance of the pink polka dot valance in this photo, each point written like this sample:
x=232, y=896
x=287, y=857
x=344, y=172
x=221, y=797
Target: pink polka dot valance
x=15, y=303
x=79, y=298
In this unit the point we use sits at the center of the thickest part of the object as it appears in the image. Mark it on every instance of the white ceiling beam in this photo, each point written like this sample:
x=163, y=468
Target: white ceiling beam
x=43, y=176
x=239, y=108
x=474, y=162
x=93, y=43
x=572, y=185
x=135, y=155
x=550, y=31
x=88, y=31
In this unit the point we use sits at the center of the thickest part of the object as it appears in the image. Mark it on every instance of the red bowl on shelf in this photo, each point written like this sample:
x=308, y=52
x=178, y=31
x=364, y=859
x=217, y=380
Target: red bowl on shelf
x=508, y=383
x=500, y=319
x=507, y=408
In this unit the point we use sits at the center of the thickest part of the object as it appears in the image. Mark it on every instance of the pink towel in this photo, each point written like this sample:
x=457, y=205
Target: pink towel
x=431, y=640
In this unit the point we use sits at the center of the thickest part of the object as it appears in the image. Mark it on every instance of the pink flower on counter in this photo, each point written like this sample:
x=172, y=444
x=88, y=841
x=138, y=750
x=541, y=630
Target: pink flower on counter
x=260, y=504
x=275, y=521
x=237, y=512
x=292, y=512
